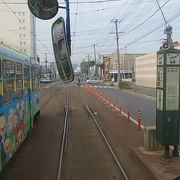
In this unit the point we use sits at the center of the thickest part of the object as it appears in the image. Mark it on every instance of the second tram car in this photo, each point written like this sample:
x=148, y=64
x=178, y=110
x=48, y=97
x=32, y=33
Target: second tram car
x=19, y=100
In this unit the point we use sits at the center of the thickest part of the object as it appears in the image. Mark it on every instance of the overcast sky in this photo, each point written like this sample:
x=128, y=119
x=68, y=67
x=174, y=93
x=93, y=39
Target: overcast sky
x=141, y=29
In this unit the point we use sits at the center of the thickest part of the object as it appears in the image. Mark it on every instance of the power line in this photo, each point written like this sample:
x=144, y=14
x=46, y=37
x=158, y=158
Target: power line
x=143, y=36
x=74, y=33
x=145, y=19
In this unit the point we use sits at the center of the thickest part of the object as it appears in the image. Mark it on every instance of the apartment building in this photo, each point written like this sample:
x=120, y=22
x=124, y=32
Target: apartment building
x=17, y=27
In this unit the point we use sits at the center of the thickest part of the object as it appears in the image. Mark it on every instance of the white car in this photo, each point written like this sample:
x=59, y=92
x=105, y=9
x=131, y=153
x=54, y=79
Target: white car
x=94, y=80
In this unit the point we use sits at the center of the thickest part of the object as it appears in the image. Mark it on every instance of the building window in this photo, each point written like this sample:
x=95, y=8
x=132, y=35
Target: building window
x=19, y=20
x=23, y=20
x=24, y=50
x=21, y=50
x=24, y=43
x=19, y=28
x=20, y=36
x=19, y=13
x=24, y=35
x=24, y=28
x=20, y=43
x=23, y=13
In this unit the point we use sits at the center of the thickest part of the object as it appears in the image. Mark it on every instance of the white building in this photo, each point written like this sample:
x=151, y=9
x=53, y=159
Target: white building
x=145, y=69
x=17, y=29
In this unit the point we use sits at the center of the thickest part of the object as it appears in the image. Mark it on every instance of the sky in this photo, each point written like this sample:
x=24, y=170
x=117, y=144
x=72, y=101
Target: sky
x=141, y=27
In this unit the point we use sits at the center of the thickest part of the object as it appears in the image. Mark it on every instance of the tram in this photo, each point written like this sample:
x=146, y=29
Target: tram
x=19, y=100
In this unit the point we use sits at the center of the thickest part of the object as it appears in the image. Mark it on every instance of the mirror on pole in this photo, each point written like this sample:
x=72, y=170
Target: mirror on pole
x=61, y=50
x=43, y=9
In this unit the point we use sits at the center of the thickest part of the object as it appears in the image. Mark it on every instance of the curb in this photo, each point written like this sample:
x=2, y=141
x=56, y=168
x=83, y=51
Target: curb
x=135, y=152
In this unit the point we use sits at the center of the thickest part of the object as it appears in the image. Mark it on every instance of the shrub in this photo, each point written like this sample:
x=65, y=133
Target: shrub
x=111, y=84
x=125, y=85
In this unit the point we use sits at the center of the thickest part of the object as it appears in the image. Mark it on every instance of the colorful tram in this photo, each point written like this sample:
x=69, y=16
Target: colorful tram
x=19, y=100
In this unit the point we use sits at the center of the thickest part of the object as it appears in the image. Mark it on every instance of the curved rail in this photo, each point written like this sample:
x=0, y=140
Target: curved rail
x=107, y=142
x=64, y=137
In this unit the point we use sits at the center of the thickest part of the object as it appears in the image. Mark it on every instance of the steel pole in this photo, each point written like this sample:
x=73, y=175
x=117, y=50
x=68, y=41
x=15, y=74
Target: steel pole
x=68, y=27
x=95, y=59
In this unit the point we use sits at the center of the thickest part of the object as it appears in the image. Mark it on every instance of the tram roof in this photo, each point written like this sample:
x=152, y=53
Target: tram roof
x=7, y=51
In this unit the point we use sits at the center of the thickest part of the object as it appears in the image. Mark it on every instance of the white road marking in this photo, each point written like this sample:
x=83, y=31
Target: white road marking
x=102, y=87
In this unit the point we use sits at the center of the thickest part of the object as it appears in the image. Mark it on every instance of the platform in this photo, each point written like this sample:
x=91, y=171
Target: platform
x=159, y=167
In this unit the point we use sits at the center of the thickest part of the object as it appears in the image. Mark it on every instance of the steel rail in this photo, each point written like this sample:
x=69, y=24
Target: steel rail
x=106, y=141
x=64, y=137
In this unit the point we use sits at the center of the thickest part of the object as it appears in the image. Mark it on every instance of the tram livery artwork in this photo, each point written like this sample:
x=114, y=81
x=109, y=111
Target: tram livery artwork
x=19, y=100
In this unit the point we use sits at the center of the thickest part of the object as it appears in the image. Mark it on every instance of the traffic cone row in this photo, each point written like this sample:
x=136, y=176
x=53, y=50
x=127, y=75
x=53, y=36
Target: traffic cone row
x=107, y=99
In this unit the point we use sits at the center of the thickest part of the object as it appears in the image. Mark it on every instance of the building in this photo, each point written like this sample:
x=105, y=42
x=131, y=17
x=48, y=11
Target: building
x=145, y=69
x=17, y=27
x=87, y=68
x=109, y=64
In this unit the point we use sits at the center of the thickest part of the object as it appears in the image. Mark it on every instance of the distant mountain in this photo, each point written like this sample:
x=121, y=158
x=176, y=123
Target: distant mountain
x=74, y=66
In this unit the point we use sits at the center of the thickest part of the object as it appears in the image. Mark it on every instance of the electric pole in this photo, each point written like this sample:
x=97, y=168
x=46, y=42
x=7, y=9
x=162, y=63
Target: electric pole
x=119, y=77
x=46, y=61
x=95, y=59
x=88, y=67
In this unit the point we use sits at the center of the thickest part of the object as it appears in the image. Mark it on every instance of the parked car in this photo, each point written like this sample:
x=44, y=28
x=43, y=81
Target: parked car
x=94, y=80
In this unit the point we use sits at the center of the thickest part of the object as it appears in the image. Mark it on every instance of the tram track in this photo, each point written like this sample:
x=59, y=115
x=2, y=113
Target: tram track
x=105, y=138
x=64, y=139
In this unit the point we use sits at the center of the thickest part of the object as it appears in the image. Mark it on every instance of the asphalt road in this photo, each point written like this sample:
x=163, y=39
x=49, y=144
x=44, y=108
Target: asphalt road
x=146, y=104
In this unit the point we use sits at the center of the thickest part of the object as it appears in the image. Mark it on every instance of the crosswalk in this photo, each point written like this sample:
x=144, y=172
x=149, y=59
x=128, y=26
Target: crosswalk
x=105, y=87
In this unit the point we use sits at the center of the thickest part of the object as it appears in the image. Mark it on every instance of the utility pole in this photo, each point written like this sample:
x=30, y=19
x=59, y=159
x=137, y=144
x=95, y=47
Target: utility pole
x=46, y=62
x=116, y=21
x=95, y=59
x=88, y=67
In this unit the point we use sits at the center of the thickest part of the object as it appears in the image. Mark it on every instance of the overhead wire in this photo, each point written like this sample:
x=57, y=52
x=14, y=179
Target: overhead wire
x=155, y=29
x=109, y=27
x=74, y=32
x=145, y=20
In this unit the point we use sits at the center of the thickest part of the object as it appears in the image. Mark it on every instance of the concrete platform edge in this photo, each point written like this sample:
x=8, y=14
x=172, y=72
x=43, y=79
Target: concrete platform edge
x=136, y=154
